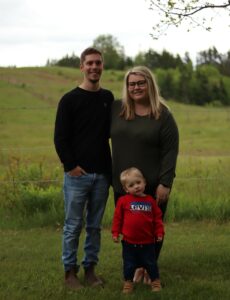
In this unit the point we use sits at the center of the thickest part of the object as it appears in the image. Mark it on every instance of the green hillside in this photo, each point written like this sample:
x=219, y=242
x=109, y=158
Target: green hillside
x=28, y=102
x=29, y=97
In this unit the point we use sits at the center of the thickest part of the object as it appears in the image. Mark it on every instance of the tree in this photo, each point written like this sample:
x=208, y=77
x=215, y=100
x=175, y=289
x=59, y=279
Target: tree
x=139, y=59
x=167, y=80
x=174, y=13
x=209, y=57
x=153, y=59
x=112, y=51
x=216, y=59
x=208, y=86
x=185, y=80
x=72, y=61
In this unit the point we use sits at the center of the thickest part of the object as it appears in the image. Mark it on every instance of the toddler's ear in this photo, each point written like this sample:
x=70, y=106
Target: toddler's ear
x=125, y=189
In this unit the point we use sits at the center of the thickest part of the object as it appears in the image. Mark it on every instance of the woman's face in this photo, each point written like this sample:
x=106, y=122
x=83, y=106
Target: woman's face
x=137, y=88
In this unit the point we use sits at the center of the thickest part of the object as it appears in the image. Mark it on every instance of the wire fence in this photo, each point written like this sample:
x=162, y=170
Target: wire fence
x=60, y=180
x=186, y=111
x=187, y=114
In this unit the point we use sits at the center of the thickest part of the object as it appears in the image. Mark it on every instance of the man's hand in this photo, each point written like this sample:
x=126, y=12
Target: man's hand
x=77, y=171
x=162, y=194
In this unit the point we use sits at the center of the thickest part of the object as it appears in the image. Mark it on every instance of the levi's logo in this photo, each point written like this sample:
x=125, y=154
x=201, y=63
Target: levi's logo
x=140, y=206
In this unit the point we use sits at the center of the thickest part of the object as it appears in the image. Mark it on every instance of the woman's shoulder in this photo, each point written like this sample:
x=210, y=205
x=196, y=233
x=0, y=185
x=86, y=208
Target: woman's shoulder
x=166, y=112
x=116, y=106
x=167, y=119
x=117, y=103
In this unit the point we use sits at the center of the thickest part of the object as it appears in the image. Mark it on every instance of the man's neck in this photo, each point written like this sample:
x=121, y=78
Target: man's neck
x=90, y=86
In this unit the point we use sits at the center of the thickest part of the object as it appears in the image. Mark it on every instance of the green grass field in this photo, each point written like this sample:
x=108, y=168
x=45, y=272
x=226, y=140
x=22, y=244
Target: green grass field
x=194, y=265
x=195, y=259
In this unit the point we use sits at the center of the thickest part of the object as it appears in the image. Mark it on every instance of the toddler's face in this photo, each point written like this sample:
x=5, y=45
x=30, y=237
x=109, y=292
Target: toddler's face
x=135, y=185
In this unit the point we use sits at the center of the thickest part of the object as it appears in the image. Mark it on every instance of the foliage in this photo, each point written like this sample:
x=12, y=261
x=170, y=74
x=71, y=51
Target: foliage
x=30, y=196
x=153, y=59
x=33, y=200
x=202, y=86
x=72, y=61
x=216, y=59
x=113, y=52
x=208, y=86
x=174, y=13
x=190, y=85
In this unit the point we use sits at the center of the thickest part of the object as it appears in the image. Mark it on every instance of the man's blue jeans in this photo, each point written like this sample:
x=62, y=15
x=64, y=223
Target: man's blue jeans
x=84, y=196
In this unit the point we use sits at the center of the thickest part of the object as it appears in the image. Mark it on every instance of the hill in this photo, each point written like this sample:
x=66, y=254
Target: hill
x=28, y=102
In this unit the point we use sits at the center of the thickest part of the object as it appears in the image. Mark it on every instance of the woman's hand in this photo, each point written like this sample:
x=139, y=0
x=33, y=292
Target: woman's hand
x=162, y=193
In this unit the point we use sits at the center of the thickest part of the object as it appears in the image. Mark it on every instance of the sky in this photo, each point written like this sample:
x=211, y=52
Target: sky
x=33, y=31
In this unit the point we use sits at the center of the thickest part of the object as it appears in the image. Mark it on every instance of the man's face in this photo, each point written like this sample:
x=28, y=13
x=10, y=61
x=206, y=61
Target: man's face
x=92, y=67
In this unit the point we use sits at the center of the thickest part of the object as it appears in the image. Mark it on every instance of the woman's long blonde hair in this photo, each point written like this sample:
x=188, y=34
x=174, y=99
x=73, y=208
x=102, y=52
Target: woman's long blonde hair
x=155, y=99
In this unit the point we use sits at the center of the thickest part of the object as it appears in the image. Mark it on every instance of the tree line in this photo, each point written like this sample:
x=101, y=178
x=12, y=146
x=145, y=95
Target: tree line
x=177, y=76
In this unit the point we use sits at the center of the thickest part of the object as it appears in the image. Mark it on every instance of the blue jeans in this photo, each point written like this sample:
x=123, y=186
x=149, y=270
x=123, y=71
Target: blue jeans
x=136, y=256
x=85, y=195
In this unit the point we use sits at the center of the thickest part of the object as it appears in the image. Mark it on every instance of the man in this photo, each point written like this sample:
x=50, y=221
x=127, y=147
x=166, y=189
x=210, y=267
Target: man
x=81, y=141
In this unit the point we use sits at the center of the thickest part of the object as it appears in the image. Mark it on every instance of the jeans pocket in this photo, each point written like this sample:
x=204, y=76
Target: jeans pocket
x=73, y=176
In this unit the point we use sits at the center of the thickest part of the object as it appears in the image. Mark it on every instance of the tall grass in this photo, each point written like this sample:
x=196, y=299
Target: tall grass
x=33, y=197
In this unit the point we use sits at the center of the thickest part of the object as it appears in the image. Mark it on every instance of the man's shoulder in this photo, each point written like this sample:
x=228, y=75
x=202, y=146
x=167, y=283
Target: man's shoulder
x=70, y=94
x=107, y=94
x=76, y=91
x=75, y=97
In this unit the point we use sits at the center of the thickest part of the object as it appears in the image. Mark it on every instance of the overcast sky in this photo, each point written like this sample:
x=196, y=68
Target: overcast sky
x=32, y=31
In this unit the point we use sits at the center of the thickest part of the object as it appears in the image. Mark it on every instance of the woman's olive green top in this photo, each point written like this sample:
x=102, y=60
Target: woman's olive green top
x=145, y=143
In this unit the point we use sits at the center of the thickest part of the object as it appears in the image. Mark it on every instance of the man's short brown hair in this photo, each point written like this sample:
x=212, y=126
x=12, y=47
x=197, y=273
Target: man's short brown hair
x=89, y=51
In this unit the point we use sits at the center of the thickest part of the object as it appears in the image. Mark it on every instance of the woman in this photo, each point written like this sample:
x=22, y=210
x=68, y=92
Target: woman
x=144, y=135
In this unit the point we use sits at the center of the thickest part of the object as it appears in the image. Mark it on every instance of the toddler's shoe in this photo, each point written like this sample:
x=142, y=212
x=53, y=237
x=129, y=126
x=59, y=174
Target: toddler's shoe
x=128, y=287
x=156, y=285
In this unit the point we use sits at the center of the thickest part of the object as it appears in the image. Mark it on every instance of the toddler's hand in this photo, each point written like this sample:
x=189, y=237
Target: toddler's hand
x=159, y=238
x=115, y=239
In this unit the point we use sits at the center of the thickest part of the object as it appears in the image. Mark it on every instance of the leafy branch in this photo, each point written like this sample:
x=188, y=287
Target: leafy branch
x=174, y=13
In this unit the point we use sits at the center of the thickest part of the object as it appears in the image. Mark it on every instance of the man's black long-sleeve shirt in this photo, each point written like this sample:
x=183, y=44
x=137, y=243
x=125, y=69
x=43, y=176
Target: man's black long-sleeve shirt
x=82, y=130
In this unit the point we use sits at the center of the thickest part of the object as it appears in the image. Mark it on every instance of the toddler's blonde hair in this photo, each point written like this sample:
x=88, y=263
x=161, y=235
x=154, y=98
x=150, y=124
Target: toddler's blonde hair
x=130, y=172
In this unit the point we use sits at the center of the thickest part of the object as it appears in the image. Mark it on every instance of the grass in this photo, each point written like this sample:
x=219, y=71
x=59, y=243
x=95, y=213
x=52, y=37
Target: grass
x=195, y=259
x=194, y=264
x=28, y=102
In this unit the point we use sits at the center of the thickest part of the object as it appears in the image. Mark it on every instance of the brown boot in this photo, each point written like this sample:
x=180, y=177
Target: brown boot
x=72, y=281
x=90, y=277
